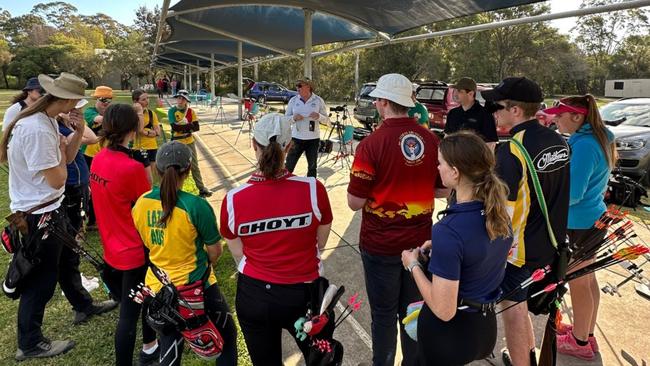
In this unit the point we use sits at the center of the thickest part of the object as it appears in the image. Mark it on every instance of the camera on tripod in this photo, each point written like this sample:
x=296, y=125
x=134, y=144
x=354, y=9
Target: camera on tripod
x=340, y=108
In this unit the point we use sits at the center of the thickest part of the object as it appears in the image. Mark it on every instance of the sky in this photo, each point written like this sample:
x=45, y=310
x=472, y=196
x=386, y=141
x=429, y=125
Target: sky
x=124, y=10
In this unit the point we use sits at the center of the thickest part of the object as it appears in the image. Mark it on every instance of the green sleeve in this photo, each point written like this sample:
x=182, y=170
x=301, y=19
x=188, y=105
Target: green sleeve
x=89, y=116
x=170, y=115
x=205, y=222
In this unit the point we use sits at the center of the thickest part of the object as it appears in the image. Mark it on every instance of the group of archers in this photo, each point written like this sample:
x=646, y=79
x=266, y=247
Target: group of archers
x=489, y=239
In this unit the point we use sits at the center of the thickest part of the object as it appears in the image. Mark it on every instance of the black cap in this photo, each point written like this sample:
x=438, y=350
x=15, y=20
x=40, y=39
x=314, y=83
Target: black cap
x=518, y=89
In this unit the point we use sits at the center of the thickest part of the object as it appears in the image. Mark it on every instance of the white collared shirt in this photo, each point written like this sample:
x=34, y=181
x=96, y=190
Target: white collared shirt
x=300, y=130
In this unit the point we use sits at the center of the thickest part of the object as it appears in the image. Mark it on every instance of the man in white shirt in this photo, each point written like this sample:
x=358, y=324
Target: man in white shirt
x=308, y=111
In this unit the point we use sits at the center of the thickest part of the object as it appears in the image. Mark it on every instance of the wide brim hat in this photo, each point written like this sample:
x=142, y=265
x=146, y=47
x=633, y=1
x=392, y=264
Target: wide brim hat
x=32, y=84
x=394, y=87
x=307, y=81
x=66, y=86
x=103, y=92
x=182, y=94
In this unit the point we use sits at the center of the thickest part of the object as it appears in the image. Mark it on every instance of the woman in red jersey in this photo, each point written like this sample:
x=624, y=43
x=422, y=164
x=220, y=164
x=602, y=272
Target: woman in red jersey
x=275, y=226
x=116, y=182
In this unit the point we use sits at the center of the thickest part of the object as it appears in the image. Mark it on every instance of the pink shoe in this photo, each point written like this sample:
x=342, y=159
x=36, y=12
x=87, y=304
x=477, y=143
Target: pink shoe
x=567, y=328
x=567, y=345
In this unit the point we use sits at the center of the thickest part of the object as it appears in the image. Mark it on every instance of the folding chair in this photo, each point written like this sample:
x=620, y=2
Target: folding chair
x=344, y=141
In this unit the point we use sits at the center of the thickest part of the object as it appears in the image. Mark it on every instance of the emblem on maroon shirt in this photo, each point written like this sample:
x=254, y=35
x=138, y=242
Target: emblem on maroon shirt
x=412, y=147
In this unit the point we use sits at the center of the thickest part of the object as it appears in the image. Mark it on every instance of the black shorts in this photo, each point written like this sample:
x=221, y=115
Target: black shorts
x=513, y=278
x=149, y=156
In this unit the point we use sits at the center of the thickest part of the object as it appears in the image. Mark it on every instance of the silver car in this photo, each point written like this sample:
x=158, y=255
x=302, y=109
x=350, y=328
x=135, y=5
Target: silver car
x=629, y=120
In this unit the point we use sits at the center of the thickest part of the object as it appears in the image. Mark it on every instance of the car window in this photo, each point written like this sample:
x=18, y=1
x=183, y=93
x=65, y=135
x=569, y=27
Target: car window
x=366, y=89
x=626, y=114
x=274, y=88
x=431, y=94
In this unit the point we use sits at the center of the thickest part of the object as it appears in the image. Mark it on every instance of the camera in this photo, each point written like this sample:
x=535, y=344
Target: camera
x=340, y=108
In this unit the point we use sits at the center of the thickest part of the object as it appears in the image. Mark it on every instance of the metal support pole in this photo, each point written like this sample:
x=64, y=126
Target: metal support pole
x=184, y=77
x=212, y=88
x=256, y=72
x=240, y=71
x=198, y=76
x=308, y=41
x=356, y=71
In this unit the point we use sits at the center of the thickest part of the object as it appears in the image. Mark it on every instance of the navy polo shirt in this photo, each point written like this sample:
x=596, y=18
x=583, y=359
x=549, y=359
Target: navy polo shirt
x=476, y=119
x=461, y=250
x=78, y=169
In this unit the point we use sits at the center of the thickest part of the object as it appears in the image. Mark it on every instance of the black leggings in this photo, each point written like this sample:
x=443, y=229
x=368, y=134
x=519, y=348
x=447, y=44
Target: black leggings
x=264, y=309
x=467, y=337
x=120, y=284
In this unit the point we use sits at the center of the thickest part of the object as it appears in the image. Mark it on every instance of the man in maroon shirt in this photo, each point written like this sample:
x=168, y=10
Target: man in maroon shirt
x=393, y=179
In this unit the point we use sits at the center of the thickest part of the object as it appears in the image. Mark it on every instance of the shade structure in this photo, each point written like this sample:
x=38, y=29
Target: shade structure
x=277, y=27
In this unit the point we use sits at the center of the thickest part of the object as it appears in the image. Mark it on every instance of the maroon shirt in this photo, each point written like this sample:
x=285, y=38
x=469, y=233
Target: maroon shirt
x=395, y=169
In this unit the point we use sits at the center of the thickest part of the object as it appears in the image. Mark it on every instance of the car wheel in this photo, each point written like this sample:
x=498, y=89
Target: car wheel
x=261, y=99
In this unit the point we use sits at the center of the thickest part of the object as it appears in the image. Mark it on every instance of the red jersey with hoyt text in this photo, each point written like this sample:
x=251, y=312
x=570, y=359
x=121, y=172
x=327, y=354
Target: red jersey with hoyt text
x=277, y=221
x=395, y=169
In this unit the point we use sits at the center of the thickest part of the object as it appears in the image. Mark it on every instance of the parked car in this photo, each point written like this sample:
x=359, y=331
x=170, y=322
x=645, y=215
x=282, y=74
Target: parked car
x=264, y=91
x=629, y=120
x=364, y=110
x=439, y=100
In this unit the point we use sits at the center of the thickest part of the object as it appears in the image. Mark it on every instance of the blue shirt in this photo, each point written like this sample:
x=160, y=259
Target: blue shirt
x=78, y=169
x=461, y=250
x=589, y=176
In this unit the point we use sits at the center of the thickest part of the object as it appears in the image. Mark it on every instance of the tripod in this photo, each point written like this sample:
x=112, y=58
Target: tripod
x=344, y=151
x=221, y=114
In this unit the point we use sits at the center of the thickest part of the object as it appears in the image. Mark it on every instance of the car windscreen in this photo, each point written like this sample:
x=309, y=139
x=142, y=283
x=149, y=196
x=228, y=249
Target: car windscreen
x=626, y=114
x=365, y=90
x=431, y=94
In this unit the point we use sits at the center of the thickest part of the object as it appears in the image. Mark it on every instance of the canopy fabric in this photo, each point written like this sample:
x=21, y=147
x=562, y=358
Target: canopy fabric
x=276, y=26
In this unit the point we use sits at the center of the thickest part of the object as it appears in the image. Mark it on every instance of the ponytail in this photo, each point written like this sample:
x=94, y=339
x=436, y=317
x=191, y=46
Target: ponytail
x=494, y=192
x=19, y=97
x=170, y=179
x=271, y=162
x=475, y=161
x=598, y=127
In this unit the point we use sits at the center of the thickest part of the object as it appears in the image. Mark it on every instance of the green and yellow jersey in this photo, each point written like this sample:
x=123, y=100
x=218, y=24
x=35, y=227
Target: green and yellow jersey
x=147, y=142
x=178, y=247
x=89, y=116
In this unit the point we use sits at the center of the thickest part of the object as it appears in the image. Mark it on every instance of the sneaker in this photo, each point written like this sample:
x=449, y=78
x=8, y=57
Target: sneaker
x=567, y=345
x=44, y=349
x=150, y=359
x=95, y=309
x=205, y=194
x=567, y=328
x=505, y=357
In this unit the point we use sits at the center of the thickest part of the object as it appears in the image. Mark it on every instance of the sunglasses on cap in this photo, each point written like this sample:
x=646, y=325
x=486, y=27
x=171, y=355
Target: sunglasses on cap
x=105, y=100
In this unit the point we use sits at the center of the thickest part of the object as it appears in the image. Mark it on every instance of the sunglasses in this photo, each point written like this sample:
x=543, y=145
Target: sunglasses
x=298, y=86
x=105, y=100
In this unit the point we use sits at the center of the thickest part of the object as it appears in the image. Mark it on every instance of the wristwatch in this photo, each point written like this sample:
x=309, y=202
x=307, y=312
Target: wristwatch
x=413, y=265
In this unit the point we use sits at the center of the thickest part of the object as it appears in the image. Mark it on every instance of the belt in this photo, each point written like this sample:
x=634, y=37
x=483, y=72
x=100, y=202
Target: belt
x=464, y=304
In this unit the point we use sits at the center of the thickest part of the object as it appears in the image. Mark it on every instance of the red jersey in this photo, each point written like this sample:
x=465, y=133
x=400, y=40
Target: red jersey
x=277, y=221
x=395, y=169
x=116, y=182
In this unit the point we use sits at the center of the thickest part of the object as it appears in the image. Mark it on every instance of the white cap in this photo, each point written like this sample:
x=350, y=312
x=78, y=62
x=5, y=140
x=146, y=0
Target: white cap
x=396, y=88
x=273, y=125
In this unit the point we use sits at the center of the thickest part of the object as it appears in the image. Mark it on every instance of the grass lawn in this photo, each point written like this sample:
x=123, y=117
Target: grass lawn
x=95, y=338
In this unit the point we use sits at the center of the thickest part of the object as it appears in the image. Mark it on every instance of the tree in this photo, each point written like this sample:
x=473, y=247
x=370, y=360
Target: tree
x=5, y=59
x=58, y=14
x=129, y=58
x=632, y=58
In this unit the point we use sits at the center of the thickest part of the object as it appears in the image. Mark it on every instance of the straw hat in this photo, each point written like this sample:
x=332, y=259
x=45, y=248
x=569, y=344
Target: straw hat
x=66, y=86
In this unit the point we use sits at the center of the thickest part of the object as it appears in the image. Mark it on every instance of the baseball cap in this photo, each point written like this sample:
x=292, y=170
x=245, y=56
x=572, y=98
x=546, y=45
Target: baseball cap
x=32, y=84
x=183, y=94
x=394, y=87
x=518, y=89
x=173, y=153
x=103, y=92
x=465, y=84
x=562, y=107
x=273, y=125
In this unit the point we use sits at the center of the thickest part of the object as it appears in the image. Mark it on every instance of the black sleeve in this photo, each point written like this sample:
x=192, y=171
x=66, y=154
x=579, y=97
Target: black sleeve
x=509, y=169
x=489, y=127
x=181, y=128
x=451, y=125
